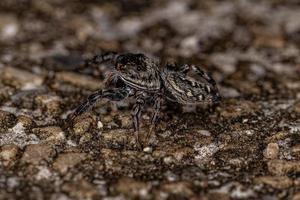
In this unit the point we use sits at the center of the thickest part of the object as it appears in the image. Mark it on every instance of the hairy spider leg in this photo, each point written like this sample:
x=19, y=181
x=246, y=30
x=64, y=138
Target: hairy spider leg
x=155, y=116
x=112, y=94
x=136, y=115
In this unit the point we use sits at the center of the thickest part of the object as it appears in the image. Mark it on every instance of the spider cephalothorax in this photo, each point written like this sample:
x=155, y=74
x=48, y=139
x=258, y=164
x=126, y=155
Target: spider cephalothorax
x=138, y=71
x=141, y=78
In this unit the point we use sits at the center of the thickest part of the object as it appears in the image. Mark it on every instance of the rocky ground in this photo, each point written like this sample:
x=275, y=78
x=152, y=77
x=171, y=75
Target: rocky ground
x=247, y=147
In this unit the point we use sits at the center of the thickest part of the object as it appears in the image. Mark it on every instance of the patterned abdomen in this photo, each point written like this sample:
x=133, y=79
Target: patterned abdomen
x=190, y=86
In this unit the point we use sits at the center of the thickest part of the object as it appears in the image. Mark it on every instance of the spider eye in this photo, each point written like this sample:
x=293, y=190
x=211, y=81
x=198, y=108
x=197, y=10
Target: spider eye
x=139, y=68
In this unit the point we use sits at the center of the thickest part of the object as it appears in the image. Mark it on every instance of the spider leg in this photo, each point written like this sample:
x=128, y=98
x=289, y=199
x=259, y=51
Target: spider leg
x=112, y=94
x=155, y=116
x=184, y=68
x=136, y=115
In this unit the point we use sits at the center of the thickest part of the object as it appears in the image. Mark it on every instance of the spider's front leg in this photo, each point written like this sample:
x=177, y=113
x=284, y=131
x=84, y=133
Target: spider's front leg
x=136, y=115
x=155, y=116
x=112, y=94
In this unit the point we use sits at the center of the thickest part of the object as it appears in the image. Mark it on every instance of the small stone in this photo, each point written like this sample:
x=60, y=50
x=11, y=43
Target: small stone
x=297, y=107
x=85, y=138
x=133, y=188
x=272, y=150
x=68, y=160
x=44, y=173
x=9, y=152
x=204, y=133
x=115, y=137
x=296, y=150
x=36, y=153
x=16, y=135
x=49, y=103
x=9, y=27
x=148, y=149
x=204, y=153
x=50, y=133
x=283, y=167
x=20, y=78
x=99, y=125
x=277, y=136
x=183, y=189
x=219, y=196
x=168, y=160
x=26, y=121
x=238, y=109
x=7, y=120
x=82, y=126
x=81, y=190
x=278, y=182
x=125, y=121
x=296, y=196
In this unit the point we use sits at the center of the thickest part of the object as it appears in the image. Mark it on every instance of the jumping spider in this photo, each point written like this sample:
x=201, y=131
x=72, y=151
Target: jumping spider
x=136, y=75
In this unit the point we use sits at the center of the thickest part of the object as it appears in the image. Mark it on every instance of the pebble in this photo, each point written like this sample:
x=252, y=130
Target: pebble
x=52, y=105
x=125, y=121
x=7, y=120
x=50, y=133
x=133, y=188
x=278, y=182
x=81, y=189
x=116, y=136
x=272, y=150
x=296, y=150
x=204, y=153
x=283, y=167
x=238, y=109
x=204, y=133
x=82, y=126
x=65, y=161
x=27, y=121
x=9, y=153
x=99, y=125
x=183, y=189
x=148, y=149
x=21, y=79
x=296, y=196
x=9, y=27
x=296, y=107
x=36, y=153
x=277, y=137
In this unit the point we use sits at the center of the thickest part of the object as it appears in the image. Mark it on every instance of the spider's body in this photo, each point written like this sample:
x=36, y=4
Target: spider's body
x=138, y=72
x=141, y=78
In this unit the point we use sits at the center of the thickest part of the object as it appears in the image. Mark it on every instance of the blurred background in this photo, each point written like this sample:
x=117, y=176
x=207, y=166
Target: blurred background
x=246, y=147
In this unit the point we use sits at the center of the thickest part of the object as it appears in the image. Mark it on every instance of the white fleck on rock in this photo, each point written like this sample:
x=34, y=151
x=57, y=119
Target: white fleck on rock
x=148, y=149
x=249, y=132
x=99, y=125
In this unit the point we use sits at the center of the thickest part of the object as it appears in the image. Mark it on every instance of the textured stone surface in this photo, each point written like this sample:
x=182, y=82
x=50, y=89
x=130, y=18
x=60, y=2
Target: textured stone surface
x=245, y=147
